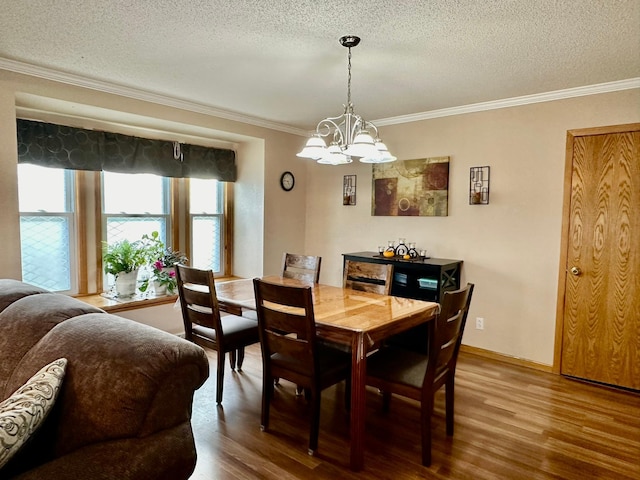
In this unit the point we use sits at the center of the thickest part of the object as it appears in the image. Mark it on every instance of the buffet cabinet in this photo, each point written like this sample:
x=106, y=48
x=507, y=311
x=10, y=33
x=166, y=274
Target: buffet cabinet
x=419, y=278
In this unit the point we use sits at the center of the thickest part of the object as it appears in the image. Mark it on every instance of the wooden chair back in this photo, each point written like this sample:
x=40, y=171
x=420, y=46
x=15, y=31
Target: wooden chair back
x=291, y=351
x=449, y=328
x=412, y=374
x=301, y=267
x=368, y=277
x=198, y=300
x=287, y=330
x=204, y=325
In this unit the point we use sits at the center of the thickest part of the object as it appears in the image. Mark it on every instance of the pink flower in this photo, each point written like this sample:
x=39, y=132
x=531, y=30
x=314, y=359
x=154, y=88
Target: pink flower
x=158, y=265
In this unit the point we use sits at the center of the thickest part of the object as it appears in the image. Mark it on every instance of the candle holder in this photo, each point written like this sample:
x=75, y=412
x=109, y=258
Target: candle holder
x=402, y=248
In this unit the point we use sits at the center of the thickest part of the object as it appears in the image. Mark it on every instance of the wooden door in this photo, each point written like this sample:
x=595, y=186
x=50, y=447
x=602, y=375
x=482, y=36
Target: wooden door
x=601, y=307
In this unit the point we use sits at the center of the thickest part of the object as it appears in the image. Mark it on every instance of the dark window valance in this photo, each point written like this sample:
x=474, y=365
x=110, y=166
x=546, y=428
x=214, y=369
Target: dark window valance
x=59, y=146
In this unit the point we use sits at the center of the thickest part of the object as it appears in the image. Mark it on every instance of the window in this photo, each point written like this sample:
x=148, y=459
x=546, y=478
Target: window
x=206, y=214
x=47, y=227
x=134, y=205
x=67, y=215
x=128, y=206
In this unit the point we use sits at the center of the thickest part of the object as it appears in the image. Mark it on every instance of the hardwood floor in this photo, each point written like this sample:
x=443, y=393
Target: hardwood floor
x=510, y=423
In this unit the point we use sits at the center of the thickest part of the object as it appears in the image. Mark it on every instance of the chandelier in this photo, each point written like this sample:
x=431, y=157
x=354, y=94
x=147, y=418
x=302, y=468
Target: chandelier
x=351, y=136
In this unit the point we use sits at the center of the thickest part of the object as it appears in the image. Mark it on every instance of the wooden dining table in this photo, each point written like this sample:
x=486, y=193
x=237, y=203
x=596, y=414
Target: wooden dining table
x=357, y=320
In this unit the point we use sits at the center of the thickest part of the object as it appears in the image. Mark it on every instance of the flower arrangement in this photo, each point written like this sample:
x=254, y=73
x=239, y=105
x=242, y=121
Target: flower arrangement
x=163, y=260
x=164, y=272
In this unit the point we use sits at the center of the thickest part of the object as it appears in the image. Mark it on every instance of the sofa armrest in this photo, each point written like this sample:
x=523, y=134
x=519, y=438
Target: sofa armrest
x=161, y=456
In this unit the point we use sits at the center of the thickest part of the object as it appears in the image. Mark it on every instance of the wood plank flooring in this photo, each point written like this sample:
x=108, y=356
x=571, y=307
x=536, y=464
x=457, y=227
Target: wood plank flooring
x=511, y=422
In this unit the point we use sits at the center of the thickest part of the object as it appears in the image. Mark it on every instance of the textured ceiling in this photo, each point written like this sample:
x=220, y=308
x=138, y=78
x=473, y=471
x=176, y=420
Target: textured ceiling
x=280, y=61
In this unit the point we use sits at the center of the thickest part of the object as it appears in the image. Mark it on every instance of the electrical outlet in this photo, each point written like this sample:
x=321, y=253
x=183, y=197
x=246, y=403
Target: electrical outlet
x=479, y=323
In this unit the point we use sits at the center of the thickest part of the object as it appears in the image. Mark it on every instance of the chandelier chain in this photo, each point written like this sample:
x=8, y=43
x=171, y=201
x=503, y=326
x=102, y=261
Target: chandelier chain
x=349, y=81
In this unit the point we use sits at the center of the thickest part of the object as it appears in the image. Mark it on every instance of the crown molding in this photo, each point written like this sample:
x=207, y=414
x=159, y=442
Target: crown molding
x=515, y=101
x=138, y=94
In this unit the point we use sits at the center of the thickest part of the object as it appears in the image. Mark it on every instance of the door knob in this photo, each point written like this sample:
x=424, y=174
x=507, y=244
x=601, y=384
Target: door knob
x=576, y=271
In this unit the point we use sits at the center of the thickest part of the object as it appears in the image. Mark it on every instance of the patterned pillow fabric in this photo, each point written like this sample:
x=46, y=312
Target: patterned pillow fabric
x=23, y=412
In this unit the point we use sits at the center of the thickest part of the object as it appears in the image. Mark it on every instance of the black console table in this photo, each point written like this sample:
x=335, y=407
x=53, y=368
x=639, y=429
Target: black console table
x=422, y=278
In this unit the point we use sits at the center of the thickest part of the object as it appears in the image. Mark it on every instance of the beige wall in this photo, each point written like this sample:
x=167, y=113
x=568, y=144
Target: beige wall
x=510, y=247
x=266, y=221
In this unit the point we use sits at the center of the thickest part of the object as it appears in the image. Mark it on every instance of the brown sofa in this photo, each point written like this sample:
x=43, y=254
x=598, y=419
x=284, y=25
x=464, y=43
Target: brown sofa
x=124, y=408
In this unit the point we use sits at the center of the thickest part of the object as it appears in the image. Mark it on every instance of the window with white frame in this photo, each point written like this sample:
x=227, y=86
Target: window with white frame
x=206, y=214
x=47, y=227
x=134, y=205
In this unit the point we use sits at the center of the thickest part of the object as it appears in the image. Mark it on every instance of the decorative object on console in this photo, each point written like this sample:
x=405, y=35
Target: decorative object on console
x=350, y=132
x=479, y=186
x=411, y=188
x=402, y=250
x=349, y=190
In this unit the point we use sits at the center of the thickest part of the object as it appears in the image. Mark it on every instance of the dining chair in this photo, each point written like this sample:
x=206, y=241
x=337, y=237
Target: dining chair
x=393, y=369
x=204, y=325
x=301, y=267
x=368, y=277
x=290, y=350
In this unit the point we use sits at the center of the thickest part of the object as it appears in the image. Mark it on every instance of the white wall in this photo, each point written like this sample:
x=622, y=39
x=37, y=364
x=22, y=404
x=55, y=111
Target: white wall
x=511, y=247
x=166, y=317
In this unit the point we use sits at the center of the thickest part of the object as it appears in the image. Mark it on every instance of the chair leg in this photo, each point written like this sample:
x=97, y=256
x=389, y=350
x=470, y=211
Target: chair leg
x=315, y=420
x=267, y=395
x=240, y=358
x=449, y=396
x=426, y=410
x=232, y=359
x=221, y=359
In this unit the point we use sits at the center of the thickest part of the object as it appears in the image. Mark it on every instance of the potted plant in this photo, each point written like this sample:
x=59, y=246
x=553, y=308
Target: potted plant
x=122, y=260
x=163, y=261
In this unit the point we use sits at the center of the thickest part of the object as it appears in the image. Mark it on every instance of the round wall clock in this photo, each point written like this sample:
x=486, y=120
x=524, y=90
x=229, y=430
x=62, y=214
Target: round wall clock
x=287, y=181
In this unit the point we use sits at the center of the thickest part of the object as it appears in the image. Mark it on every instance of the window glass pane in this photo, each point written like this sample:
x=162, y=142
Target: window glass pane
x=46, y=255
x=133, y=193
x=133, y=228
x=46, y=226
x=206, y=247
x=42, y=189
x=205, y=196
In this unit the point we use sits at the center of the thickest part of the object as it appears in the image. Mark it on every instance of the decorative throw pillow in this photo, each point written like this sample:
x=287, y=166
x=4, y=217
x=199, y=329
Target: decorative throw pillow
x=24, y=411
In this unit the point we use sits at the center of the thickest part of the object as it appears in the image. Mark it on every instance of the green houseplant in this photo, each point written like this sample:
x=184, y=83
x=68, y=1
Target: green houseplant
x=122, y=260
x=162, y=260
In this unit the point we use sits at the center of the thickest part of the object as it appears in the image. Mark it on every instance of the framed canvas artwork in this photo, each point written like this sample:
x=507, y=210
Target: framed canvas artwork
x=411, y=188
